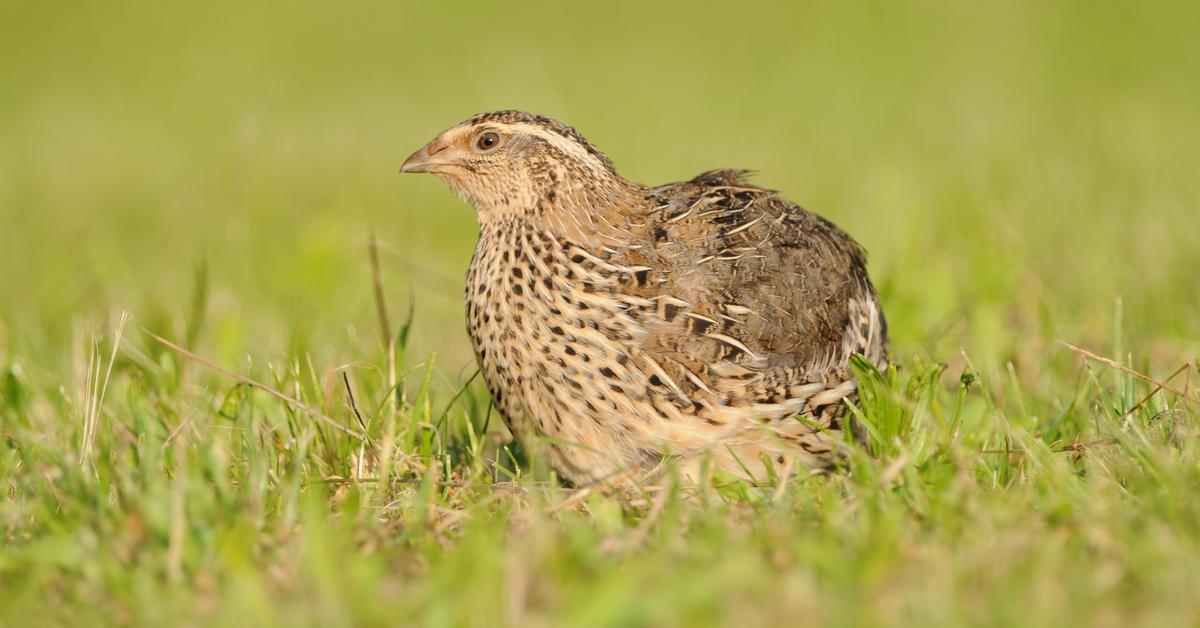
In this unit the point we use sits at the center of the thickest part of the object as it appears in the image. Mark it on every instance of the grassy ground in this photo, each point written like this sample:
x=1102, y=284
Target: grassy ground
x=1024, y=175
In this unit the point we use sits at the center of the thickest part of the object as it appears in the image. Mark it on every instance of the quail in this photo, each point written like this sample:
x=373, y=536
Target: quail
x=619, y=325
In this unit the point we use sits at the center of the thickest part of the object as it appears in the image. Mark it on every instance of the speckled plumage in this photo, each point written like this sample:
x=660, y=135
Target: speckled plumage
x=618, y=324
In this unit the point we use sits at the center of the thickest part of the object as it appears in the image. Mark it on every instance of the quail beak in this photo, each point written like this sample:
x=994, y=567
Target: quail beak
x=426, y=159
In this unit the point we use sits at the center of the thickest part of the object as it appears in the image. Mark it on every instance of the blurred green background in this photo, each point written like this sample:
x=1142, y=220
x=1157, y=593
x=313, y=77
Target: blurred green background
x=1012, y=169
x=1021, y=172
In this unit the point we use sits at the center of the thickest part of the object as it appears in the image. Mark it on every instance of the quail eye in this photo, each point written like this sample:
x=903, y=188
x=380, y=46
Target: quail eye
x=487, y=141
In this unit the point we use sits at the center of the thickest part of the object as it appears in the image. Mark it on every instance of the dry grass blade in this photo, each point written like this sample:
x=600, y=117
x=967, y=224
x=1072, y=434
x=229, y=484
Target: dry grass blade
x=893, y=470
x=785, y=474
x=178, y=430
x=1103, y=442
x=385, y=325
x=638, y=536
x=353, y=403
x=508, y=487
x=1128, y=413
x=362, y=447
x=1125, y=369
x=98, y=388
x=296, y=403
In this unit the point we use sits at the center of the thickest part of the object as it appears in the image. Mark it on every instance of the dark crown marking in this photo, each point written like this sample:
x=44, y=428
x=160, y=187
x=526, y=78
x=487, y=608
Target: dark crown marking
x=512, y=116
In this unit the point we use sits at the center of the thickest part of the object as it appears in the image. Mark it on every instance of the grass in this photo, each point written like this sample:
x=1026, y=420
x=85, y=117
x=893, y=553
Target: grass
x=1023, y=175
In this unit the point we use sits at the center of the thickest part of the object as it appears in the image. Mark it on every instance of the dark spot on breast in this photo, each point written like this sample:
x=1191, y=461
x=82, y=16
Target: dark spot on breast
x=607, y=372
x=641, y=276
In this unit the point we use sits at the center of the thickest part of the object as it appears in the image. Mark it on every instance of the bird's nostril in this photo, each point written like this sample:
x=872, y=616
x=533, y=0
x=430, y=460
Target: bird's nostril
x=435, y=147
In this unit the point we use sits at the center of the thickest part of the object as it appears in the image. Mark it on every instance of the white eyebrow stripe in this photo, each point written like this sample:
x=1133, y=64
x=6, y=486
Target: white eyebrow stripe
x=565, y=144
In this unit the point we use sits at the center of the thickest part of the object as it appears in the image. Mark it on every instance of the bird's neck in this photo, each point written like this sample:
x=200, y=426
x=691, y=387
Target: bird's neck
x=591, y=209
